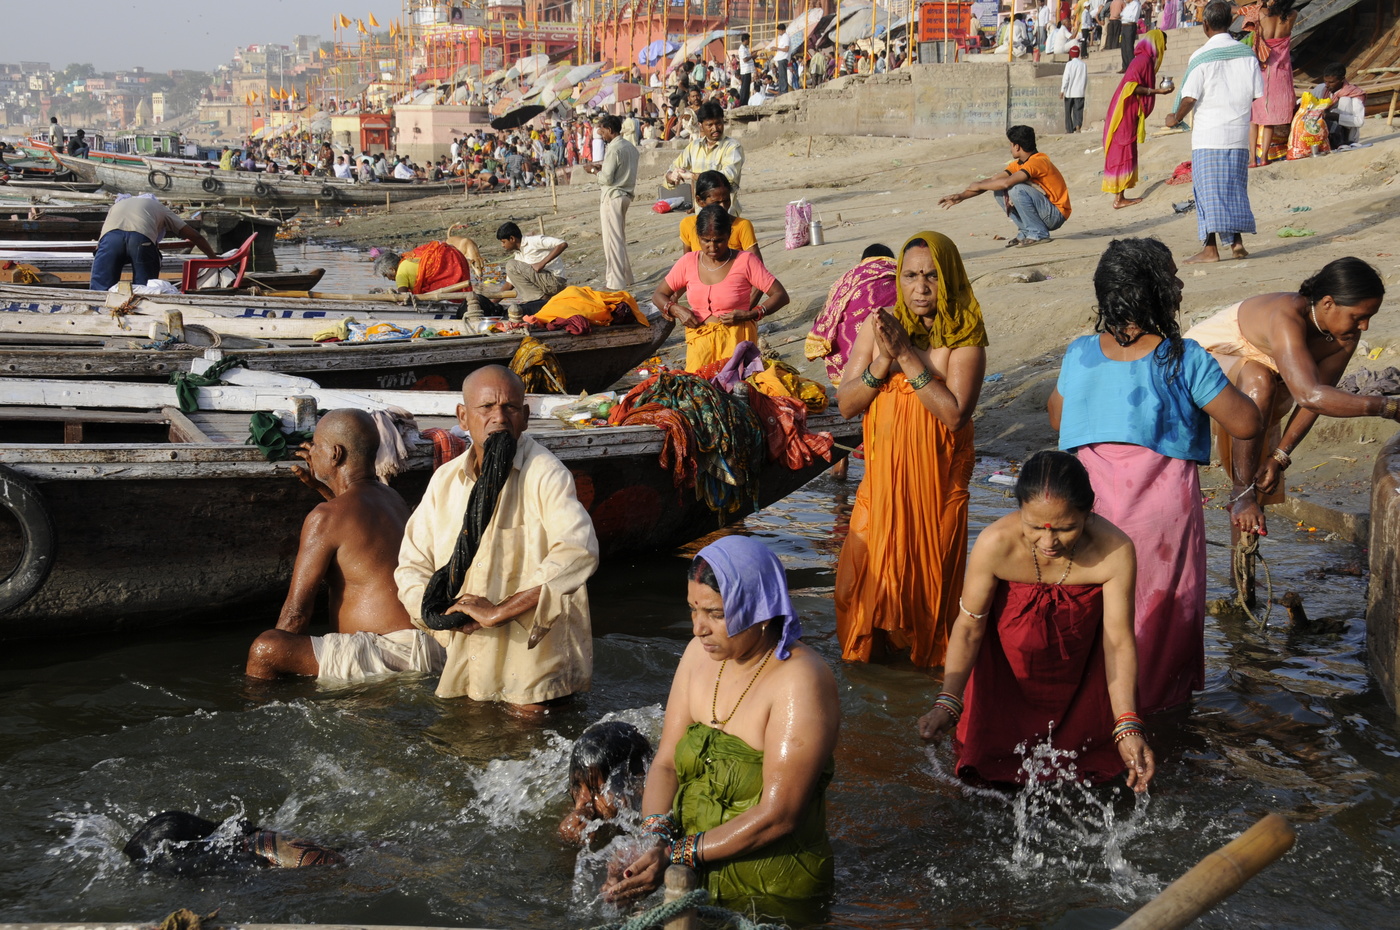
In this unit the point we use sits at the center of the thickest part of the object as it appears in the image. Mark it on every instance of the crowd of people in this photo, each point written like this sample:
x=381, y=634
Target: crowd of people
x=1069, y=621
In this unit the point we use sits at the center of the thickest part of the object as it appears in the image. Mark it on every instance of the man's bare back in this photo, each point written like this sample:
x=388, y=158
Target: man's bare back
x=364, y=526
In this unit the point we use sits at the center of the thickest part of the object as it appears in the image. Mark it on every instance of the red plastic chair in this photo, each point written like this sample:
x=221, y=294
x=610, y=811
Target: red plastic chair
x=190, y=280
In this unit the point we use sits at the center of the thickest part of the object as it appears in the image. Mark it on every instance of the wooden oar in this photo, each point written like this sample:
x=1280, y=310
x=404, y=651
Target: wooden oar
x=1215, y=877
x=389, y=297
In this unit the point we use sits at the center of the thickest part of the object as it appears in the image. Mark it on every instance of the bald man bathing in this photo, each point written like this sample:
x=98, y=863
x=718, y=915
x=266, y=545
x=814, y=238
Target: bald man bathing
x=351, y=542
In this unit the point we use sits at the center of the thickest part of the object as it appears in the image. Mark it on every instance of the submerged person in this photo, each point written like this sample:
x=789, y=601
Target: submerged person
x=1286, y=349
x=1042, y=651
x=1128, y=111
x=1135, y=403
x=177, y=843
x=607, y=770
x=712, y=187
x=351, y=543
x=727, y=292
x=915, y=373
x=738, y=787
x=496, y=558
x=867, y=287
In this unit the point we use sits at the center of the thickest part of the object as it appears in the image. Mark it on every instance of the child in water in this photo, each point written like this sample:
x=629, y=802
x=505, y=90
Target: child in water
x=607, y=770
x=178, y=843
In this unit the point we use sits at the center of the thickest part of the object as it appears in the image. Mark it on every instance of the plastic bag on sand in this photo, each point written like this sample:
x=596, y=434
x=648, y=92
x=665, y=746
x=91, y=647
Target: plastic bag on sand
x=1309, y=128
x=797, y=225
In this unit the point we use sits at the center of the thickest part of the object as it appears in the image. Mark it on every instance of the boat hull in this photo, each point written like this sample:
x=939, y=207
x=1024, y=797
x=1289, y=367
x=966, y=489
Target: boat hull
x=148, y=537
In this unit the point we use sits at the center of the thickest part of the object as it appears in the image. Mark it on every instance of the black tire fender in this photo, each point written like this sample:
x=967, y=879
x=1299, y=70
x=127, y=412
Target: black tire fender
x=262, y=189
x=329, y=192
x=21, y=498
x=210, y=185
x=158, y=179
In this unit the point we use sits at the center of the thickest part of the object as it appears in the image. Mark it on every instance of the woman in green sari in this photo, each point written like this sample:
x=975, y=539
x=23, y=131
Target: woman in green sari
x=738, y=786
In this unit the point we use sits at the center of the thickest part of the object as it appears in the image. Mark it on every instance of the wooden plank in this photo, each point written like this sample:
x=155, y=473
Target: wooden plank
x=72, y=431
x=71, y=415
x=182, y=429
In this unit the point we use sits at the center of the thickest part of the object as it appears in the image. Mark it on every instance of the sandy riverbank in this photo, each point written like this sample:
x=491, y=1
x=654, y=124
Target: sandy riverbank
x=1035, y=300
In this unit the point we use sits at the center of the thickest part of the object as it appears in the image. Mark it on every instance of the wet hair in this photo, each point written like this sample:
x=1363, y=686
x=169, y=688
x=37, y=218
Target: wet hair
x=709, y=110
x=1056, y=475
x=1348, y=281
x=508, y=230
x=1335, y=69
x=387, y=264
x=714, y=220
x=1024, y=136
x=1218, y=16
x=177, y=843
x=701, y=571
x=1134, y=285
x=707, y=181
x=1279, y=8
x=610, y=123
x=612, y=756
x=876, y=249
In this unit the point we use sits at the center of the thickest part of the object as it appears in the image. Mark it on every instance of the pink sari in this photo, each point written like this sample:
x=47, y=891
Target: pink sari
x=1126, y=113
x=866, y=287
x=1156, y=500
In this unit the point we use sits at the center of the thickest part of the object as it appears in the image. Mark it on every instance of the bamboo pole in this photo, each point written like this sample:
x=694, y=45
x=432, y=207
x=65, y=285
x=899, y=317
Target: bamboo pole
x=681, y=880
x=1215, y=877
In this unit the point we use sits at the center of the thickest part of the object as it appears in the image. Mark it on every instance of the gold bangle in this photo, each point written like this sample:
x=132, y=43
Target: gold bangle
x=1278, y=455
x=1390, y=408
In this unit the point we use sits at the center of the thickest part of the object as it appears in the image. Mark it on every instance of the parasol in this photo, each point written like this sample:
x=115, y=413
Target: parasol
x=517, y=117
x=654, y=52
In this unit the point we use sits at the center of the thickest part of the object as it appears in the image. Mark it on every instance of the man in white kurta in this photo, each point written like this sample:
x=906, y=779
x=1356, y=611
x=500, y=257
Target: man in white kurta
x=529, y=571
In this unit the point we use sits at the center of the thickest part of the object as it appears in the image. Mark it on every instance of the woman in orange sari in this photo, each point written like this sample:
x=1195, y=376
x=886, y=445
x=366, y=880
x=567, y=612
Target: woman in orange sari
x=916, y=373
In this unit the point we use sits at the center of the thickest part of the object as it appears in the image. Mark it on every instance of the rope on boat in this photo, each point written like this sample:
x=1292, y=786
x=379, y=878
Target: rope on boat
x=695, y=900
x=1246, y=549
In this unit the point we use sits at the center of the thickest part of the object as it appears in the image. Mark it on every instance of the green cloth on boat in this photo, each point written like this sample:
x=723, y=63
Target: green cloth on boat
x=265, y=432
x=720, y=777
x=187, y=384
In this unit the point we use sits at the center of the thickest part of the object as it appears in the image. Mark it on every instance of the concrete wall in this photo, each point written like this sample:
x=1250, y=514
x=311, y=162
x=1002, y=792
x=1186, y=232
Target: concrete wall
x=1383, y=595
x=426, y=132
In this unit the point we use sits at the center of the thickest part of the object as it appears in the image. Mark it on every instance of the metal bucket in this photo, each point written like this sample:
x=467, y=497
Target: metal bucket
x=815, y=233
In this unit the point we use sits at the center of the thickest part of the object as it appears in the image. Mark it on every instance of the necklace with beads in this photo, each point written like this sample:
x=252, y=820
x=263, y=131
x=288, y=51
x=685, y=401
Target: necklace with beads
x=1312, y=311
x=712, y=265
x=714, y=700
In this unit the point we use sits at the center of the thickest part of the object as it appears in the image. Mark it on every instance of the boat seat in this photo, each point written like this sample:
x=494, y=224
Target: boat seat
x=189, y=282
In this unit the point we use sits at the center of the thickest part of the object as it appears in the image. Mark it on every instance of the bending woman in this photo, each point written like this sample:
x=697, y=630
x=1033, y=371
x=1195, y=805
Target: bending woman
x=737, y=789
x=1128, y=111
x=719, y=282
x=1043, y=647
x=1135, y=405
x=916, y=374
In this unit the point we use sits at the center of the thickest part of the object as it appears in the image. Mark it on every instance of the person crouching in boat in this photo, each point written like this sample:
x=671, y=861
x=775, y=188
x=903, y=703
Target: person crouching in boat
x=1042, y=650
x=429, y=267
x=607, y=769
x=738, y=787
x=177, y=843
x=131, y=236
x=351, y=542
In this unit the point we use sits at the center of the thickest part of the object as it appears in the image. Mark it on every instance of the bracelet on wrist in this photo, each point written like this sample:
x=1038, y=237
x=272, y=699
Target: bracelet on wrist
x=950, y=703
x=870, y=381
x=1278, y=455
x=660, y=825
x=1390, y=408
x=683, y=850
x=921, y=380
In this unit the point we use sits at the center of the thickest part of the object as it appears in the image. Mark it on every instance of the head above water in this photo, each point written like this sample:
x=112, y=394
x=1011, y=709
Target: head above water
x=752, y=589
x=1056, y=503
x=493, y=399
x=345, y=439
x=608, y=764
x=1138, y=291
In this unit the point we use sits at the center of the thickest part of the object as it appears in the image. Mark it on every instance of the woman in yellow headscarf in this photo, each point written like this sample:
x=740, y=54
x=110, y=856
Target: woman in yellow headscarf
x=1126, y=124
x=916, y=373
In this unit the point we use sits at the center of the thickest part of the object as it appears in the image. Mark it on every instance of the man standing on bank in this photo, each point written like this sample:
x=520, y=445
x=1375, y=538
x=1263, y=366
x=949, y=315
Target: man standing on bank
x=617, y=178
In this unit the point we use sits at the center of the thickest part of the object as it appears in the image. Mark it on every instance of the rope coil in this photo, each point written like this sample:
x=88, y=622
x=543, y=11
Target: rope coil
x=1245, y=550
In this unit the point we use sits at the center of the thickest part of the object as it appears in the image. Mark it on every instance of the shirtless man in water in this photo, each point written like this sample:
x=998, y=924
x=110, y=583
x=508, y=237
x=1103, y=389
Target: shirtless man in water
x=1286, y=349
x=351, y=542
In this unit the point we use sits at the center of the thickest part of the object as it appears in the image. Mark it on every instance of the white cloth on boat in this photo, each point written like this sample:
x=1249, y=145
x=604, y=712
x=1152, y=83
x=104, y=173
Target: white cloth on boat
x=363, y=655
x=398, y=430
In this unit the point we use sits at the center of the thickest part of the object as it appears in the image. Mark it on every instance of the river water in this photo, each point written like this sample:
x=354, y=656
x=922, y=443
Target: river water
x=446, y=810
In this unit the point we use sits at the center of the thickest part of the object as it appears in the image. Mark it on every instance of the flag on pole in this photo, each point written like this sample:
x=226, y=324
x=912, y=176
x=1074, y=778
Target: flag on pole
x=360, y=27
x=323, y=53
x=344, y=21
x=373, y=22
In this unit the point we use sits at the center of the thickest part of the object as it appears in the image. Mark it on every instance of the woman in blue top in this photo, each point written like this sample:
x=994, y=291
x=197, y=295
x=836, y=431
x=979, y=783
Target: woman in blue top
x=1135, y=403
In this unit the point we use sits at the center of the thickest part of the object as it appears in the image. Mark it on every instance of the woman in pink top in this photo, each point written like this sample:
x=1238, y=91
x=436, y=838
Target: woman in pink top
x=726, y=293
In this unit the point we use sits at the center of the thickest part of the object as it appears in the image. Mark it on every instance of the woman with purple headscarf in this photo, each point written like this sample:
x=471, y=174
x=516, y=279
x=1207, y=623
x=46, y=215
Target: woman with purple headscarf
x=737, y=789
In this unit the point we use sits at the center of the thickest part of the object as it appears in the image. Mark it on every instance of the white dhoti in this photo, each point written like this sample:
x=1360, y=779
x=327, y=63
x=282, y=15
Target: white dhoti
x=360, y=656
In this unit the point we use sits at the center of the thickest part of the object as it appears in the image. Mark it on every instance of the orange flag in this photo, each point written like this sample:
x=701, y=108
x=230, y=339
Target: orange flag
x=373, y=22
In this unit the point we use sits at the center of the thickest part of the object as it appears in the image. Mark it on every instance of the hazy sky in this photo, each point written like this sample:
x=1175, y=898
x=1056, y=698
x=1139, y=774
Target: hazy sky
x=163, y=34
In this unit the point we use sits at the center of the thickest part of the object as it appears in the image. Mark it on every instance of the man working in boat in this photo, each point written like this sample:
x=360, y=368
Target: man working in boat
x=131, y=235
x=534, y=268
x=351, y=542
x=496, y=557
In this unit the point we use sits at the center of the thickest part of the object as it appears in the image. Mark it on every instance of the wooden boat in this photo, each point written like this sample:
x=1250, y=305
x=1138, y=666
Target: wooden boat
x=254, y=281
x=43, y=340
x=147, y=515
x=53, y=186
x=190, y=181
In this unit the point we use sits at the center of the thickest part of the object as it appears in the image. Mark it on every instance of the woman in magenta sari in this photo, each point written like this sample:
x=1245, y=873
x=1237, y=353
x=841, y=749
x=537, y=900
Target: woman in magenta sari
x=1126, y=124
x=868, y=286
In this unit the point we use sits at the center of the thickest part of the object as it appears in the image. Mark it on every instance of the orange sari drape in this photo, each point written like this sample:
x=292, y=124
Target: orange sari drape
x=439, y=265
x=901, y=568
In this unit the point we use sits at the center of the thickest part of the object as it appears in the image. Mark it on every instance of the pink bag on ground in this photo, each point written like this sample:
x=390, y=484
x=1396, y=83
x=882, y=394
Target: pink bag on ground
x=797, y=226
